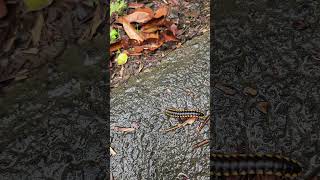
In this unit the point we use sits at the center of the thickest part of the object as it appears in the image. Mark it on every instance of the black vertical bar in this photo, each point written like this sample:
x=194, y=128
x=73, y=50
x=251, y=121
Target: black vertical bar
x=107, y=82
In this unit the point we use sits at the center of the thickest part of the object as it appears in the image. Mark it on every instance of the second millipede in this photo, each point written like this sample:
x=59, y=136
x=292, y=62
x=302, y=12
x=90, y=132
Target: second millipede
x=254, y=164
x=180, y=113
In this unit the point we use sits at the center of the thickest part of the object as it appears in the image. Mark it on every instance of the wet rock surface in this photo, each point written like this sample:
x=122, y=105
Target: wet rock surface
x=266, y=57
x=181, y=81
x=53, y=126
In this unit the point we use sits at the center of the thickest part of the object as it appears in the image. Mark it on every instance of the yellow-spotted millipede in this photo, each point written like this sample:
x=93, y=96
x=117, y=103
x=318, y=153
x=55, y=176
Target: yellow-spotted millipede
x=254, y=164
x=180, y=113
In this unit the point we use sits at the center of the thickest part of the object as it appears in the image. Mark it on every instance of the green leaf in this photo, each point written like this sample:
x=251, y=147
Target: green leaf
x=122, y=59
x=36, y=5
x=117, y=7
x=113, y=35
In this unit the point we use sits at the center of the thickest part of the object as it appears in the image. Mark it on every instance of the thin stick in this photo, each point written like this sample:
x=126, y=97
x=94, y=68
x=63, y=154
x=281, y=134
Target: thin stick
x=201, y=126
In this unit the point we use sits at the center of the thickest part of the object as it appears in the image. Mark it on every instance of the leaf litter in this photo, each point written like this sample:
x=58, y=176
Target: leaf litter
x=147, y=28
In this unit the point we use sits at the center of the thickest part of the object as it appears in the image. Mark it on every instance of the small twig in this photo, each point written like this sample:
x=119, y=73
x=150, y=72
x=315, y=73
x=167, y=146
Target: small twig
x=201, y=126
x=202, y=143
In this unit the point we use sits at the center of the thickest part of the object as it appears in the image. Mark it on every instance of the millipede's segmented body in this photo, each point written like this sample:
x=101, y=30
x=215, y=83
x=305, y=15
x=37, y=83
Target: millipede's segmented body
x=180, y=113
x=254, y=164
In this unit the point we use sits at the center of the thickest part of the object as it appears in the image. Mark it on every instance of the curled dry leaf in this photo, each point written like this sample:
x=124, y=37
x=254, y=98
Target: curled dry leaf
x=130, y=30
x=162, y=11
x=150, y=35
x=167, y=36
x=174, y=29
x=151, y=29
x=160, y=22
x=250, y=91
x=152, y=44
x=112, y=152
x=263, y=106
x=226, y=90
x=116, y=46
x=123, y=129
x=141, y=15
x=135, y=5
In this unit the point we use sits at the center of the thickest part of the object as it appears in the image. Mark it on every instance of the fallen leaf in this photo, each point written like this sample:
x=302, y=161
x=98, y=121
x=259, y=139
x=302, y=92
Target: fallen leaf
x=190, y=121
x=152, y=44
x=135, y=5
x=140, y=15
x=226, y=90
x=123, y=129
x=167, y=37
x=116, y=46
x=37, y=28
x=174, y=29
x=162, y=11
x=263, y=106
x=122, y=58
x=130, y=30
x=156, y=22
x=112, y=152
x=250, y=91
x=151, y=29
x=35, y=5
x=150, y=35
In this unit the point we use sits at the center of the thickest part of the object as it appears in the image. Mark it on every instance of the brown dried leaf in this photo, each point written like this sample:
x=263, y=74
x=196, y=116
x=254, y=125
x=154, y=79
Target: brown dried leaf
x=162, y=11
x=151, y=29
x=225, y=89
x=167, y=37
x=150, y=36
x=135, y=5
x=190, y=121
x=174, y=29
x=263, y=106
x=130, y=30
x=156, y=23
x=250, y=91
x=141, y=15
x=152, y=44
x=116, y=46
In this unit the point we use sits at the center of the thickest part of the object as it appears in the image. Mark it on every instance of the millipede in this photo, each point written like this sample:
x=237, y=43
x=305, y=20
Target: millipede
x=226, y=165
x=180, y=113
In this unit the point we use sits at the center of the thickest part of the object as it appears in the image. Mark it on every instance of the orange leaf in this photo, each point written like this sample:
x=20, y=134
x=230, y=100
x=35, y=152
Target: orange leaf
x=150, y=29
x=129, y=29
x=135, y=5
x=162, y=11
x=168, y=37
x=140, y=15
x=150, y=35
x=153, y=44
x=156, y=22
